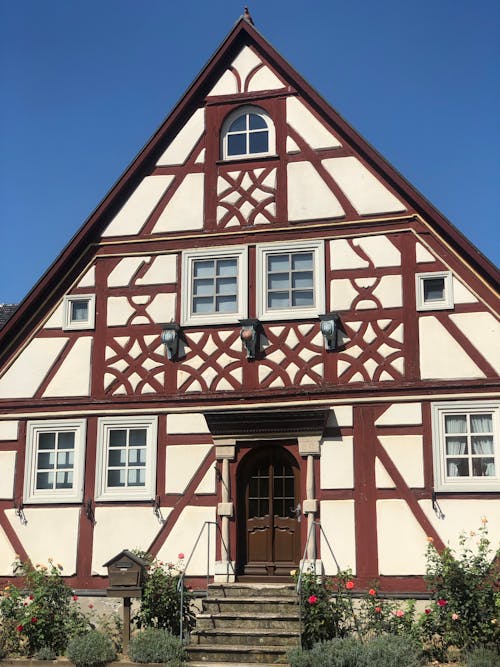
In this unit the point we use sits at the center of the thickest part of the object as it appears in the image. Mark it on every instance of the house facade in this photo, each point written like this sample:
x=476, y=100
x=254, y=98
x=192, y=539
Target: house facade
x=263, y=342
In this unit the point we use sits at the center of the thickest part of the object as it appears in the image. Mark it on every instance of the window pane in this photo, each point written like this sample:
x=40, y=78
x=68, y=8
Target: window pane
x=433, y=289
x=227, y=267
x=236, y=144
x=239, y=124
x=116, y=478
x=278, y=300
x=482, y=444
x=226, y=304
x=256, y=122
x=457, y=467
x=136, y=477
x=46, y=461
x=259, y=142
x=137, y=457
x=80, y=310
x=302, y=298
x=278, y=262
x=456, y=446
x=302, y=279
x=45, y=480
x=203, y=287
x=66, y=441
x=46, y=441
x=455, y=423
x=481, y=423
x=118, y=437
x=302, y=261
x=226, y=286
x=64, y=480
x=65, y=460
x=203, y=268
x=137, y=437
x=278, y=281
x=116, y=457
x=203, y=304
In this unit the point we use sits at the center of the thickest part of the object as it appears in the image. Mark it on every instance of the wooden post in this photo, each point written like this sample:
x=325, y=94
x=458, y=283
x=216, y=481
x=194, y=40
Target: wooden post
x=126, y=624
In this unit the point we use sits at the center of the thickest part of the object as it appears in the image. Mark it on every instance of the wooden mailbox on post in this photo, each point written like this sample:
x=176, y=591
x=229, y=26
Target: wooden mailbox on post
x=126, y=578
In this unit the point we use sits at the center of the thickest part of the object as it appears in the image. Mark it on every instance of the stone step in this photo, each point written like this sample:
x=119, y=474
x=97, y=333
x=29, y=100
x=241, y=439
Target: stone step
x=237, y=655
x=251, y=590
x=249, y=604
x=239, y=636
x=239, y=619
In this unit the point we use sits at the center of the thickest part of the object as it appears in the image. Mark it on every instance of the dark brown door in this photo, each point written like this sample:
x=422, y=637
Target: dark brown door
x=269, y=488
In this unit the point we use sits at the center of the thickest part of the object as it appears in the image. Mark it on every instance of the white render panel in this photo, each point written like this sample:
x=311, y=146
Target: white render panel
x=463, y=515
x=423, y=255
x=340, y=415
x=28, y=371
x=8, y=430
x=483, y=331
x=245, y=62
x=192, y=422
x=366, y=193
x=120, y=528
x=226, y=85
x=208, y=483
x=407, y=454
x=440, y=354
x=315, y=134
x=401, y=414
x=185, y=209
x=401, y=550
x=380, y=250
x=264, y=79
x=390, y=292
x=73, y=376
x=162, y=308
x=309, y=198
x=461, y=294
x=88, y=278
x=55, y=321
x=183, y=537
x=182, y=463
x=7, y=468
x=337, y=520
x=185, y=141
x=119, y=311
x=342, y=294
x=342, y=256
x=51, y=532
x=7, y=555
x=162, y=270
x=124, y=271
x=131, y=217
x=336, y=463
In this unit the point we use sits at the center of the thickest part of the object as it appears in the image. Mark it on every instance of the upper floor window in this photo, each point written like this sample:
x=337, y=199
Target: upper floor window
x=247, y=132
x=434, y=291
x=55, y=452
x=79, y=311
x=466, y=449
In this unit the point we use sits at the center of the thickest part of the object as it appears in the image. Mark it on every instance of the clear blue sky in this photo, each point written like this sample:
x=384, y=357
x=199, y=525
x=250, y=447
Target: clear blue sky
x=84, y=85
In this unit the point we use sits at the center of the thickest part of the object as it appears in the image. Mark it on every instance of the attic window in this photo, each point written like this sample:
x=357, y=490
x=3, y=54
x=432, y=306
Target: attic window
x=79, y=311
x=434, y=291
x=247, y=132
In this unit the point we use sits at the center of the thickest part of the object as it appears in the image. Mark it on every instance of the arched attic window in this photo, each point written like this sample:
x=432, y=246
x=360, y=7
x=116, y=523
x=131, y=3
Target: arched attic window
x=247, y=132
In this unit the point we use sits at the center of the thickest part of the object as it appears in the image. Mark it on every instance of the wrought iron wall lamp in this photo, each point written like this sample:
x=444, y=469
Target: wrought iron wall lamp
x=250, y=336
x=171, y=335
x=330, y=325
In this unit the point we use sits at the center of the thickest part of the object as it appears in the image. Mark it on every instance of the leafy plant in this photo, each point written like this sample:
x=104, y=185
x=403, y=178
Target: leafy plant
x=92, y=649
x=45, y=653
x=392, y=651
x=377, y=615
x=483, y=657
x=155, y=645
x=161, y=601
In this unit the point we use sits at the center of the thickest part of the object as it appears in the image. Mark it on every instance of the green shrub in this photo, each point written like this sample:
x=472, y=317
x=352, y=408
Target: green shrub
x=45, y=653
x=156, y=645
x=483, y=657
x=298, y=657
x=392, y=651
x=339, y=652
x=92, y=649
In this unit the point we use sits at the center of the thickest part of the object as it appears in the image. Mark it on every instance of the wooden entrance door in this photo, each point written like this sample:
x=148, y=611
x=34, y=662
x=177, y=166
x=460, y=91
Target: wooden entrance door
x=269, y=531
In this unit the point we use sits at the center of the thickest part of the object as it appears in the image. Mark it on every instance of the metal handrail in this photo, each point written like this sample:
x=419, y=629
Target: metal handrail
x=180, y=582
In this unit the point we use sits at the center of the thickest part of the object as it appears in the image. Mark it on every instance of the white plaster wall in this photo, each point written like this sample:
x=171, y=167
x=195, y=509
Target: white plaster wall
x=401, y=414
x=315, y=134
x=88, y=278
x=120, y=528
x=308, y=195
x=340, y=415
x=389, y=292
x=185, y=141
x=8, y=430
x=55, y=321
x=440, y=354
x=192, y=422
x=51, y=532
x=183, y=537
x=226, y=85
x=26, y=374
x=139, y=206
x=337, y=520
x=336, y=463
x=264, y=79
x=208, y=483
x=163, y=270
x=182, y=463
x=401, y=541
x=461, y=294
x=245, y=62
x=342, y=256
x=185, y=209
x=123, y=272
x=73, y=376
x=423, y=255
x=380, y=250
x=119, y=311
x=406, y=452
x=483, y=331
x=463, y=515
x=162, y=308
x=7, y=555
x=7, y=468
x=366, y=193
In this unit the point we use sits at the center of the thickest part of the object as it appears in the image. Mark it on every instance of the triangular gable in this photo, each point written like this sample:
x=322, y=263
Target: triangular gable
x=163, y=190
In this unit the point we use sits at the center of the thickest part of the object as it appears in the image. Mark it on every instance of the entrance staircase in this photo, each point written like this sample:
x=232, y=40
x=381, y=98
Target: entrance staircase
x=245, y=625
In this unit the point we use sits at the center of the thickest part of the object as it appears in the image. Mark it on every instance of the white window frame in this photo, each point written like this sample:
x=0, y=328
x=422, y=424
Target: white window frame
x=76, y=325
x=291, y=313
x=446, y=303
x=33, y=495
x=189, y=318
x=442, y=482
x=241, y=111
x=104, y=426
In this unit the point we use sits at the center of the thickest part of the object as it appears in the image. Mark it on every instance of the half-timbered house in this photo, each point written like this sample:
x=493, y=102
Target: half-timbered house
x=264, y=330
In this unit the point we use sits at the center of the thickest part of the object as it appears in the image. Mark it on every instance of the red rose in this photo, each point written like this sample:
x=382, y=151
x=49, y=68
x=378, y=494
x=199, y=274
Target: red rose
x=442, y=603
x=372, y=591
x=349, y=585
x=20, y=628
x=378, y=610
x=34, y=619
x=427, y=611
x=312, y=599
